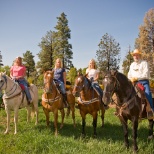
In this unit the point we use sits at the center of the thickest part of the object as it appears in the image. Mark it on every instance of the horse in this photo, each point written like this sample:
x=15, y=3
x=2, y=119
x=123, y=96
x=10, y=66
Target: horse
x=128, y=104
x=88, y=102
x=52, y=100
x=14, y=99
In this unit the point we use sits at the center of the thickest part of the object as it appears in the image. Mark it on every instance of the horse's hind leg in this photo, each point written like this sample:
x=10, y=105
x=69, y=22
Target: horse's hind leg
x=95, y=115
x=62, y=118
x=28, y=114
x=73, y=115
x=8, y=121
x=151, y=123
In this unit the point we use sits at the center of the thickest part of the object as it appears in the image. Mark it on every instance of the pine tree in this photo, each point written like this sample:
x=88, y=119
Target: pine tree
x=29, y=62
x=46, y=53
x=108, y=55
x=61, y=47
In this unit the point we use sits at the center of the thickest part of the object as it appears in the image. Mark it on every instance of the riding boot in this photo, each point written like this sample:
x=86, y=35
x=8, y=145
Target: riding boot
x=65, y=100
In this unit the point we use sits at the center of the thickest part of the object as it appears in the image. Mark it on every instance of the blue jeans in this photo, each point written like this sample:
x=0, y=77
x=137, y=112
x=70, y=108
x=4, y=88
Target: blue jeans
x=61, y=85
x=147, y=92
x=26, y=89
x=98, y=89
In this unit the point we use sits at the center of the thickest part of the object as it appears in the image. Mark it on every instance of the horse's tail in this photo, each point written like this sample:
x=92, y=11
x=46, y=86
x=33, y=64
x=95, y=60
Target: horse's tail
x=35, y=100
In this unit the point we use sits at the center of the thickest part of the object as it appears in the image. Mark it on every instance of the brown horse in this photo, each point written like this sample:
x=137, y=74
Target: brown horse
x=88, y=102
x=52, y=100
x=128, y=105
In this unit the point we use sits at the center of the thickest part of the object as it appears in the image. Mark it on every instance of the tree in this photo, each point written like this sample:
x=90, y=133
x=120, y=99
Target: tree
x=108, y=53
x=46, y=53
x=61, y=47
x=145, y=40
x=72, y=74
x=126, y=63
x=1, y=64
x=29, y=62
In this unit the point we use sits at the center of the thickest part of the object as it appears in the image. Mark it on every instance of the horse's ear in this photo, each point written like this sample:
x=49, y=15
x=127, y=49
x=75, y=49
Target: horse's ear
x=4, y=73
x=86, y=75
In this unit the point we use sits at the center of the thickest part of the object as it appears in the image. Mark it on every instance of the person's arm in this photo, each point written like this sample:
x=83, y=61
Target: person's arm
x=11, y=73
x=96, y=76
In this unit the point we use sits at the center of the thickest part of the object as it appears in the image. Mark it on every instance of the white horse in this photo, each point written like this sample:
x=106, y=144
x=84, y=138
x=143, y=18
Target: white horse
x=14, y=98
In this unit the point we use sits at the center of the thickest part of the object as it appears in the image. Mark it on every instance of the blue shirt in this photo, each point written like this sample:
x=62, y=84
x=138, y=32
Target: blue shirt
x=58, y=74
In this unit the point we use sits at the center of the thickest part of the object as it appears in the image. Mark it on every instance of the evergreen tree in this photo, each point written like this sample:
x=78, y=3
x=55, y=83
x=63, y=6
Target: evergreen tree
x=145, y=40
x=108, y=55
x=29, y=62
x=46, y=53
x=61, y=47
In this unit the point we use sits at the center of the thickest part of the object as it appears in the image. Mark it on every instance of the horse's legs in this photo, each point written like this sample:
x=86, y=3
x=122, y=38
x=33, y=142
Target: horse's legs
x=73, y=114
x=35, y=111
x=46, y=115
x=28, y=113
x=62, y=118
x=8, y=121
x=95, y=123
x=151, y=123
x=56, y=121
x=15, y=120
x=83, y=123
x=135, y=127
x=102, y=115
x=125, y=130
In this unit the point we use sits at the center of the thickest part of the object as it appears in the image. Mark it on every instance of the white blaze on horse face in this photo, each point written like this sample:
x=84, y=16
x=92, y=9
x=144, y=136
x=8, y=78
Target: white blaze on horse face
x=49, y=75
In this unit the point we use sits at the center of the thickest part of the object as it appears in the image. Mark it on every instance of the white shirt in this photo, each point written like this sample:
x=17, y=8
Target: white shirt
x=92, y=73
x=139, y=70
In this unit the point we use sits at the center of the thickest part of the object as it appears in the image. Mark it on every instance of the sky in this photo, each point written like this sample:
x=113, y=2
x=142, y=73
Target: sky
x=23, y=23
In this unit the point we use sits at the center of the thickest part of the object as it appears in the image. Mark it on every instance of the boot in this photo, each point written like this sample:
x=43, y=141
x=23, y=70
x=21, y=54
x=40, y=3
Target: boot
x=65, y=100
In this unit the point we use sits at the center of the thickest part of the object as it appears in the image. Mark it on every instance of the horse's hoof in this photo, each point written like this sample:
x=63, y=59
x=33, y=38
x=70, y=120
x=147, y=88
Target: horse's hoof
x=6, y=132
x=150, y=137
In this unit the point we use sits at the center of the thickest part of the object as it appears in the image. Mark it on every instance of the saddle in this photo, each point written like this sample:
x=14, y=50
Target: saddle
x=146, y=108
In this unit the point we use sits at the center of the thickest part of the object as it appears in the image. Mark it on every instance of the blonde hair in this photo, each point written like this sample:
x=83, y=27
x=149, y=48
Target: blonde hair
x=92, y=60
x=61, y=62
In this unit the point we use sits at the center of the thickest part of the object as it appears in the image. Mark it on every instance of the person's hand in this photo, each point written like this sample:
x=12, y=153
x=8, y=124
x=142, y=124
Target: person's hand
x=134, y=79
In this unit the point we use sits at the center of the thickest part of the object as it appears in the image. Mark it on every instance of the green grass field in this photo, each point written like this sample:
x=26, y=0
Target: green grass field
x=31, y=139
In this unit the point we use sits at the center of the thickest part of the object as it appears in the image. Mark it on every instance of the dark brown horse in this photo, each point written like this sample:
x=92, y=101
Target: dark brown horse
x=88, y=101
x=128, y=104
x=52, y=100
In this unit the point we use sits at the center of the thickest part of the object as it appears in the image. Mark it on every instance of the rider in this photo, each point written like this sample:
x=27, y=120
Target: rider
x=139, y=72
x=93, y=75
x=60, y=78
x=18, y=73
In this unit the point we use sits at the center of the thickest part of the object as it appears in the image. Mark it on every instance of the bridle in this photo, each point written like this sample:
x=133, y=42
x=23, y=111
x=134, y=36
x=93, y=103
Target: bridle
x=80, y=87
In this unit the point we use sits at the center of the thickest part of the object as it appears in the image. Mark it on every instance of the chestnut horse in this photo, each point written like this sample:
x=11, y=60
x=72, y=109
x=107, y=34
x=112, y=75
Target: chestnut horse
x=52, y=100
x=88, y=102
x=128, y=105
x=14, y=99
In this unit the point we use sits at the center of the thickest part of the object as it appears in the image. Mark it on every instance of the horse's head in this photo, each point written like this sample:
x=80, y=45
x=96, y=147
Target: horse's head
x=81, y=82
x=3, y=81
x=48, y=81
x=110, y=85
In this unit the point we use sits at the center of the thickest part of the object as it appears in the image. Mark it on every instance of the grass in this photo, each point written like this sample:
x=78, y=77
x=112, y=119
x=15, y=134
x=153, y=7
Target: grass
x=31, y=139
